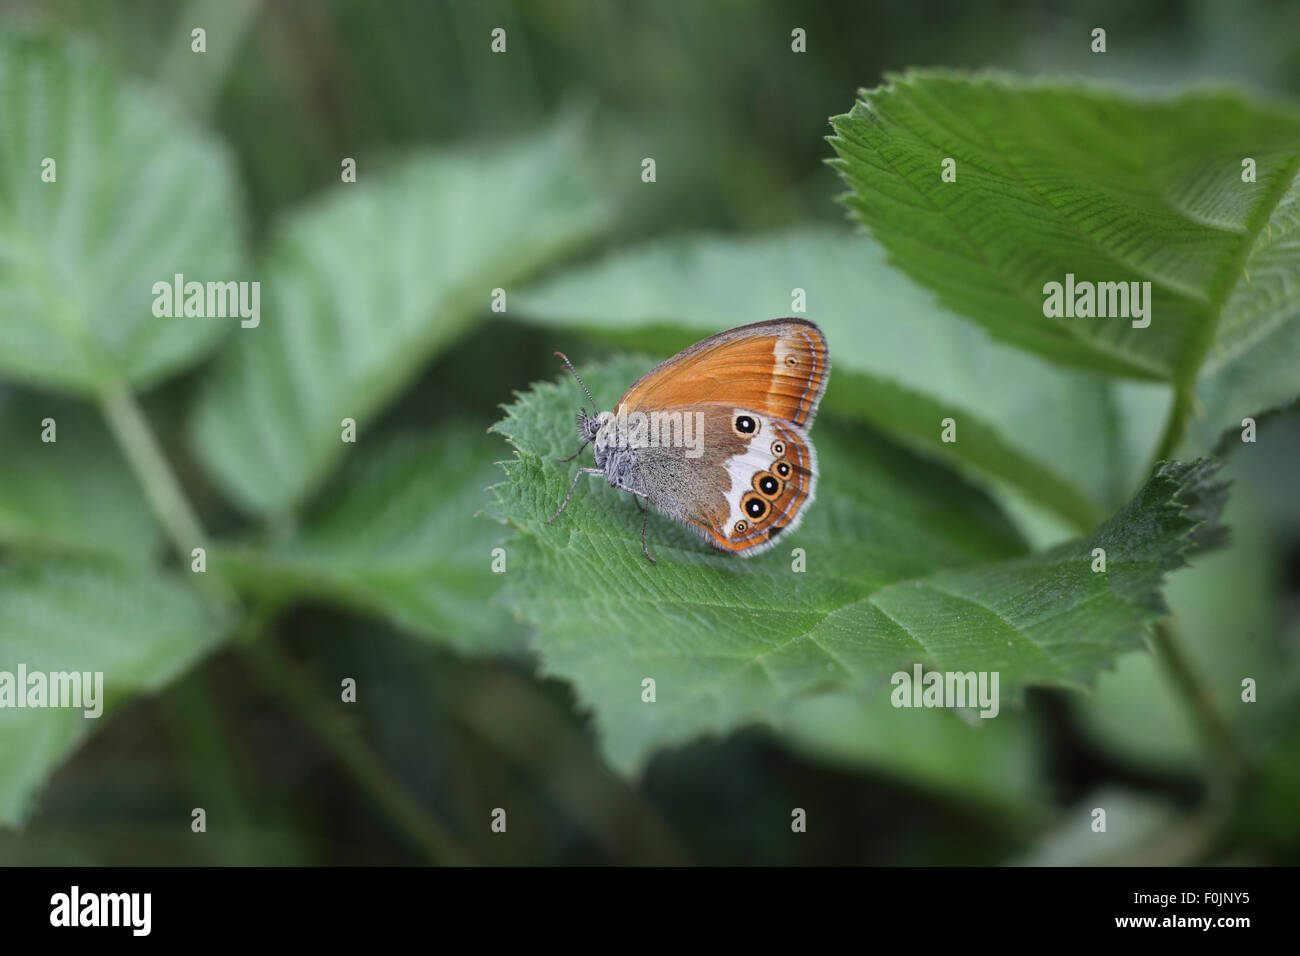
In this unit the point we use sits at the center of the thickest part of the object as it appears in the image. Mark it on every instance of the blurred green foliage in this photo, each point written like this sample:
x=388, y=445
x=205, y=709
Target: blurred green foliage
x=369, y=561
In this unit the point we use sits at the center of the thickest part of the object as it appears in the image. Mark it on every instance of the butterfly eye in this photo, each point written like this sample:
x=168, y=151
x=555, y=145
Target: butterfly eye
x=754, y=506
x=766, y=484
x=791, y=361
x=782, y=469
x=742, y=526
x=746, y=425
x=778, y=448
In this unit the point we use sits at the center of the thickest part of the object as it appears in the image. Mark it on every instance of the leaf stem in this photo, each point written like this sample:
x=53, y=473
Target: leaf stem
x=543, y=742
x=198, y=80
x=140, y=446
x=280, y=674
x=131, y=430
x=1214, y=725
x=1176, y=424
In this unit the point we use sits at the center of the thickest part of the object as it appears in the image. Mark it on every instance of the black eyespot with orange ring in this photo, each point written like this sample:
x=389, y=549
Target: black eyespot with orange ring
x=766, y=484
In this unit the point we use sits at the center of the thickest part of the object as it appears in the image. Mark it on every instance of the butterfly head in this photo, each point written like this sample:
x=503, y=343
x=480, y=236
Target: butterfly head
x=588, y=425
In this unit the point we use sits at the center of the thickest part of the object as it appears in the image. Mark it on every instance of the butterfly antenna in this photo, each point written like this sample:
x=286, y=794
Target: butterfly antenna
x=569, y=366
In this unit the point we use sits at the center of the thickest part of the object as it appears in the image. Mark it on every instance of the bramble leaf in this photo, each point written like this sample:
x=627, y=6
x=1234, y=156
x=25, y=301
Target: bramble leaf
x=137, y=195
x=398, y=535
x=905, y=564
x=74, y=494
x=366, y=284
x=1055, y=179
x=138, y=627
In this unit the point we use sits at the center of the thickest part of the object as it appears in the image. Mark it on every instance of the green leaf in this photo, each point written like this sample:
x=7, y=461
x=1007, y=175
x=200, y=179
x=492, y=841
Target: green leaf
x=139, y=628
x=1054, y=179
x=364, y=286
x=899, y=359
x=400, y=537
x=1244, y=384
x=140, y=194
x=73, y=494
x=905, y=565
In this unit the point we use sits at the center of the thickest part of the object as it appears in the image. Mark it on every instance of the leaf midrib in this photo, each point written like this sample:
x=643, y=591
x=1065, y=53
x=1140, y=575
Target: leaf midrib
x=1231, y=276
x=1209, y=307
x=1137, y=362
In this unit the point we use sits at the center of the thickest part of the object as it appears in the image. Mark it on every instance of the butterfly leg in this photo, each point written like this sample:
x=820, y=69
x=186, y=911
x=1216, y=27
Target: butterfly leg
x=565, y=503
x=645, y=516
x=575, y=454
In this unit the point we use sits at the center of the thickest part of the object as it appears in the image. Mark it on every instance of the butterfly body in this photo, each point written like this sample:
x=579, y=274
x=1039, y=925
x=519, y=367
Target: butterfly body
x=717, y=436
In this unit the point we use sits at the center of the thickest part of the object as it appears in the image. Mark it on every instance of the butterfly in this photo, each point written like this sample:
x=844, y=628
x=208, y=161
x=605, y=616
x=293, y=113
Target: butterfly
x=717, y=436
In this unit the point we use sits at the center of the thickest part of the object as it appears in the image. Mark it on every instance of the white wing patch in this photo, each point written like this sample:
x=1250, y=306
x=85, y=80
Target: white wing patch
x=780, y=350
x=757, y=456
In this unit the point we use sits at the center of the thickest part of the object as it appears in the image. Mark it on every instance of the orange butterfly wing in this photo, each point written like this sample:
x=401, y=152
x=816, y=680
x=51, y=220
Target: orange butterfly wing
x=782, y=477
x=778, y=368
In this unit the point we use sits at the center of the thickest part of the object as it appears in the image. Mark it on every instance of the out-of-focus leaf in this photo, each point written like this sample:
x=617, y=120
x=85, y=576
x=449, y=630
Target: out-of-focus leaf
x=1054, y=179
x=1243, y=384
x=1225, y=618
x=904, y=565
x=139, y=628
x=140, y=195
x=400, y=536
x=1140, y=831
x=995, y=762
x=368, y=283
x=1267, y=817
x=73, y=494
x=899, y=359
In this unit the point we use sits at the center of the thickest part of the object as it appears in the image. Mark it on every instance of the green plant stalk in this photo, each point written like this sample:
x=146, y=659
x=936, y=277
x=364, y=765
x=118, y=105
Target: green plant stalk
x=1215, y=727
x=136, y=439
x=610, y=808
x=1175, y=425
x=206, y=764
x=133, y=434
x=198, y=78
x=1217, y=732
x=279, y=674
